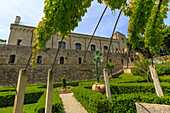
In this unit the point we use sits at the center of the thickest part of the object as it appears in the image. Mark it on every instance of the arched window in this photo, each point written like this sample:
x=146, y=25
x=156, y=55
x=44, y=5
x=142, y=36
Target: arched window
x=80, y=60
x=116, y=49
x=110, y=60
x=93, y=48
x=122, y=61
x=19, y=42
x=39, y=60
x=11, y=59
x=105, y=48
x=78, y=46
x=62, y=45
x=132, y=59
x=61, y=60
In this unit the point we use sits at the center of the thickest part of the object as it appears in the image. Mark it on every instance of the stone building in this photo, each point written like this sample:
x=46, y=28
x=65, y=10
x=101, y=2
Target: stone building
x=15, y=54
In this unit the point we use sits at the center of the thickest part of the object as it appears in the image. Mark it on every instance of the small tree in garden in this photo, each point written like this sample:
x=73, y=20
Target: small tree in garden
x=63, y=80
x=110, y=66
x=98, y=58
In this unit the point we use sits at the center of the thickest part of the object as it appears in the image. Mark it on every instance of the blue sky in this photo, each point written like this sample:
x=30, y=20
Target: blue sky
x=31, y=12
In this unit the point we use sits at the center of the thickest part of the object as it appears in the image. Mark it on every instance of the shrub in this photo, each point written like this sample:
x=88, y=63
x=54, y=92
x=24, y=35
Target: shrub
x=95, y=102
x=142, y=68
x=63, y=80
x=92, y=101
x=57, y=105
x=32, y=95
x=163, y=69
x=8, y=99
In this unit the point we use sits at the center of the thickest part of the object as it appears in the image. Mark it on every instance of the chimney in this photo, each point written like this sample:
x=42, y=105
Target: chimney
x=17, y=19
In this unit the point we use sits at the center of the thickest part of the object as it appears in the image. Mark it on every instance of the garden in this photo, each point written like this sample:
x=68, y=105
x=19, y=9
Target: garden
x=126, y=90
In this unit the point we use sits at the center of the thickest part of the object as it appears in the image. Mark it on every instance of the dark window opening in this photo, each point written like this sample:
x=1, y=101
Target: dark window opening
x=123, y=50
x=116, y=49
x=11, y=58
x=39, y=60
x=105, y=48
x=61, y=60
x=78, y=46
x=122, y=61
x=93, y=48
x=80, y=60
x=132, y=59
x=19, y=42
x=62, y=45
x=110, y=60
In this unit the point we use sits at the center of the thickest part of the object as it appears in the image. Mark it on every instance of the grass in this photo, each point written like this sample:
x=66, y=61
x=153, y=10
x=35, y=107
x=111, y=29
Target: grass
x=28, y=108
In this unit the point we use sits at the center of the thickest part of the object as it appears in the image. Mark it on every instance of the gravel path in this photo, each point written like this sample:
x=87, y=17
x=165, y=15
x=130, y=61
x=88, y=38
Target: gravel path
x=71, y=105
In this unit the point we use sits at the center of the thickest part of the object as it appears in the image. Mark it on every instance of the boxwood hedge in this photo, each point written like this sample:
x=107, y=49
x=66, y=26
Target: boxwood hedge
x=57, y=105
x=95, y=102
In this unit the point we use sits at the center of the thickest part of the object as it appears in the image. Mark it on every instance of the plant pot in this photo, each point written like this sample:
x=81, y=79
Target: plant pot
x=99, y=87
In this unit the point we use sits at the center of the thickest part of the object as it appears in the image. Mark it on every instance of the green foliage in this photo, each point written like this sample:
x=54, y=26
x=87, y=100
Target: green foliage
x=126, y=102
x=92, y=101
x=98, y=58
x=162, y=69
x=153, y=32
x=7, y=98
x=138, y=88
x=165, y=78
x=28, y=108
x=109, y=65
x=57, y=105
x=95, y=102
x=142, y=67
x=63, y=80
x=1, y=40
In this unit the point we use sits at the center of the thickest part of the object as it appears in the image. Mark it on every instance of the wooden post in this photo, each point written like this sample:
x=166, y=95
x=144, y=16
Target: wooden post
x=19, y=97
x=156, y=81
x=107, y=85
x=49, y=93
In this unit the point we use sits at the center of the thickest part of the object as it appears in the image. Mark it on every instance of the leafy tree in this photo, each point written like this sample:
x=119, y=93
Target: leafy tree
x=110, y=66
x=1, y=40
x=166, y=46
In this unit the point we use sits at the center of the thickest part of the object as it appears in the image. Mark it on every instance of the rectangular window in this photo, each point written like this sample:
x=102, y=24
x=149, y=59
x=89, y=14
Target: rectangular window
x=11, y=59
x=19, y=42
x=80, y=60
x=61, y=60
x=39, y=60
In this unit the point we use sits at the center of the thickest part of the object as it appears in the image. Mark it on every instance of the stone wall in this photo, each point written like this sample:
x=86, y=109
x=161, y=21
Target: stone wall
x=70, y=68
x=26, y=35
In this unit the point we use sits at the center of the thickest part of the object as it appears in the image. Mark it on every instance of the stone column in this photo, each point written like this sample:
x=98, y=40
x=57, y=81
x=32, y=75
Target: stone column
x=49, y=93
x=19, y=97
x=156, y=81
x=107, y=85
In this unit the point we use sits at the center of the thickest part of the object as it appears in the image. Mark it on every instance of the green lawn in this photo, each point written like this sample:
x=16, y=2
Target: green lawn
x=28, y=108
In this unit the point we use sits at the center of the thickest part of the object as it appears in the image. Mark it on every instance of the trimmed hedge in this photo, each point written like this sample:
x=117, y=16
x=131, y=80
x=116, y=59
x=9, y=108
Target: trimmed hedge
x=95, y=102
x=91, y=100
x=163, y=69
x=32, y=95
x=136, y=88
x=57, y=105
x=165, y=78
x=59, y=84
